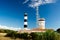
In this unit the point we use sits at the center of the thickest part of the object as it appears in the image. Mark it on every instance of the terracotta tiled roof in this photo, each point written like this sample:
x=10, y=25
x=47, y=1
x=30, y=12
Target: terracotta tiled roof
x=38, y=29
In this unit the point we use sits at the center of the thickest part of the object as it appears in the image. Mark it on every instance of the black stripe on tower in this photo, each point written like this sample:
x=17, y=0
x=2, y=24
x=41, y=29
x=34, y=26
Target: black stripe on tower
x=25, y=26
x=25, y=20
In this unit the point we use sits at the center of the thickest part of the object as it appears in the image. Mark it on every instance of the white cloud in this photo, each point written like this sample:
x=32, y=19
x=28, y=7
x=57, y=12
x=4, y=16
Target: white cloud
x=40, y=2
x=35, y=3
x=10, y=28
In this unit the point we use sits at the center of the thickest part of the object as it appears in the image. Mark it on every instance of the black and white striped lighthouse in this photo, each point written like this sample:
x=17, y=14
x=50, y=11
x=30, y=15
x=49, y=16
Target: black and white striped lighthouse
x=25, y=20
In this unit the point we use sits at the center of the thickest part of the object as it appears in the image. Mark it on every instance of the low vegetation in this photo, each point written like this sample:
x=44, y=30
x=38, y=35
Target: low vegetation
x=48, y=35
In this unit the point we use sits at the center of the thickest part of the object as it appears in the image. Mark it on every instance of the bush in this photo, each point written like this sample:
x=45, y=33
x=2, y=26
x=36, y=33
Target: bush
x=17, y=35
x=34, y=36
x=48, y=35
x=24, y=35
x=11, y=34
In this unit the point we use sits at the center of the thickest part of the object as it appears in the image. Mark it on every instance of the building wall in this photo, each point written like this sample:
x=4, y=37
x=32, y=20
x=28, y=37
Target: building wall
x=42, y=24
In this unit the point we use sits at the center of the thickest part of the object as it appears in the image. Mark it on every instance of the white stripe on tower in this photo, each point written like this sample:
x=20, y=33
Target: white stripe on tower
x=25, y=20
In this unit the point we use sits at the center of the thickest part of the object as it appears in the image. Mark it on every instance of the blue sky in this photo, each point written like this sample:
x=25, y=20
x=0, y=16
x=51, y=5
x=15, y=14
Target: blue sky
x=12, y=14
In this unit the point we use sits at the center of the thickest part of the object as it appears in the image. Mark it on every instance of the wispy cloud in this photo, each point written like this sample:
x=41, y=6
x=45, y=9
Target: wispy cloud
x=10, y=28
x=25, y=1
x=35, y=3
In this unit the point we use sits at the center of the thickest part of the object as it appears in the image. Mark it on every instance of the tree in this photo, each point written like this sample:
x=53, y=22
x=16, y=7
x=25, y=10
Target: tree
x=58, y=30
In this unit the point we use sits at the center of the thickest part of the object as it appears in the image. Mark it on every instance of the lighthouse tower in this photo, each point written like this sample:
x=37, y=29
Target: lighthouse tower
x=25, y=21
x=41, y=23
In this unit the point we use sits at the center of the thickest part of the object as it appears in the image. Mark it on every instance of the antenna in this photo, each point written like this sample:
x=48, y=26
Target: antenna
x=37, y=15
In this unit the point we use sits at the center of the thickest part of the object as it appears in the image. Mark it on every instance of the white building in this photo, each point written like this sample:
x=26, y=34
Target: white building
x=41, y=23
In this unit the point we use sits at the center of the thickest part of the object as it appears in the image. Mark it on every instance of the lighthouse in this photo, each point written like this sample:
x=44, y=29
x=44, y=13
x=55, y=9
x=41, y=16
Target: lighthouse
x=25, y=21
